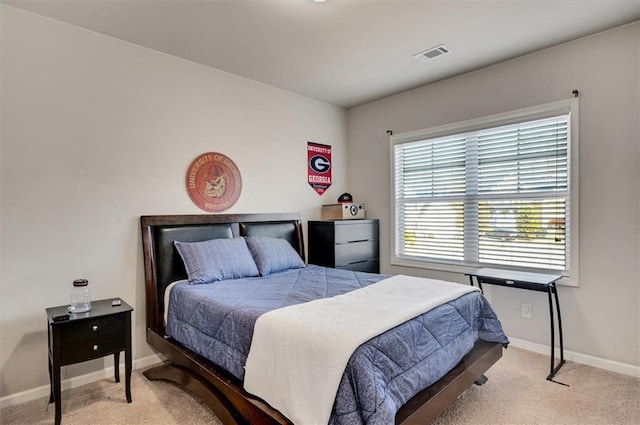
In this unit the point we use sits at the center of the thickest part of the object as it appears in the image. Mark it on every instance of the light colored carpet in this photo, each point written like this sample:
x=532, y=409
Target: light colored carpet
x=516, y=393
x=104, y=403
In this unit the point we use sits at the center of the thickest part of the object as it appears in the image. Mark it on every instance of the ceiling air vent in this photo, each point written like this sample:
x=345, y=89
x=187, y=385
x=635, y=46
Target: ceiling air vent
x=432, y=53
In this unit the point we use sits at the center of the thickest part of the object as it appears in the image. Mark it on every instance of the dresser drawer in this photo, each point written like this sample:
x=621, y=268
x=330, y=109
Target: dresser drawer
x=356, y=231
x=83, y=329
x=369, y=266
x=91, y=348
x=355, y=252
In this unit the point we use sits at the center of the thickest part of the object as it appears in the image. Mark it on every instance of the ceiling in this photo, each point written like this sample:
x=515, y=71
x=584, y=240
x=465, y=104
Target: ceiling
x=344, y=52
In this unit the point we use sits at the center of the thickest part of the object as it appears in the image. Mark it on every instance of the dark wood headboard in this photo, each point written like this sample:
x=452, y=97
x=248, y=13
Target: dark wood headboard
x=163, y=265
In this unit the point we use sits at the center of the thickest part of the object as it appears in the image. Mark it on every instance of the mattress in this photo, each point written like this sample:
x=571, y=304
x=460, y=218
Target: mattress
x=216, y=321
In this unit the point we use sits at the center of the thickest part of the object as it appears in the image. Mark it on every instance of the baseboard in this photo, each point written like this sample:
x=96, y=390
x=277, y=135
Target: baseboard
x=610, y=365
x=74, y=382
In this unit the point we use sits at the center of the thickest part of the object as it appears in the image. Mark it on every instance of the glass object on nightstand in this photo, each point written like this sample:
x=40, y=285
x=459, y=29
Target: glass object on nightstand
x=80, y=297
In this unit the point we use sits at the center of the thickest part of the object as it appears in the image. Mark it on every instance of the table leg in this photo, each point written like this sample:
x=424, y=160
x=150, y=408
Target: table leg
x=50, y=378
x=49, y=360
x=553, y=336
x=127, y=358
x=116, y=365
x=561, y=362
x=555, y=368
x=559, y=326
x=57, y=391
x=479, y=283
x=127, y=371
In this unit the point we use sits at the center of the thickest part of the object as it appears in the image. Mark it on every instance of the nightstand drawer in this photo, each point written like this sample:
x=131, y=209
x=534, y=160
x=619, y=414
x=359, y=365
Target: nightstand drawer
x=91, y=348
x=355, y=252
x=355, y=231
x=90, y=328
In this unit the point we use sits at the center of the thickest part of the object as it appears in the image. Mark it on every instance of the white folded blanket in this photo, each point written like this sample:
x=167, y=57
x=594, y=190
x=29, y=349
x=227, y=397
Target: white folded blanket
x=299, y=353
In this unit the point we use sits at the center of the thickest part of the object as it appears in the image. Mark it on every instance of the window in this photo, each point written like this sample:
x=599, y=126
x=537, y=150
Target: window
x=493, y=192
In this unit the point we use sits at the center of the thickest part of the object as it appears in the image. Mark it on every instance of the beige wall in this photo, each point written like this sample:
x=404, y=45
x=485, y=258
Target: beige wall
x=600, y=317
x=95, y=133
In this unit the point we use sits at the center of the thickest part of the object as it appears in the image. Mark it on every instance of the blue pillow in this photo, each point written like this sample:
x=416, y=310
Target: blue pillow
x=273, y=255
x=216, y=259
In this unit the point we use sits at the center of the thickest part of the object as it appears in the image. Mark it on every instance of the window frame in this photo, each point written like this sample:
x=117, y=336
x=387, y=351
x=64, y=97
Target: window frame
x=570, y=107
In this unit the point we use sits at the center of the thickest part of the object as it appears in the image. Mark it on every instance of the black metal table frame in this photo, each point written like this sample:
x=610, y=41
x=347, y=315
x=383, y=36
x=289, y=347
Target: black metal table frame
x=552, y=291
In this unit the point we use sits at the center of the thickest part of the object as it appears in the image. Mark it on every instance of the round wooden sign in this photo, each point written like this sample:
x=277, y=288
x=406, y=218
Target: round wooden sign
x=214, y=182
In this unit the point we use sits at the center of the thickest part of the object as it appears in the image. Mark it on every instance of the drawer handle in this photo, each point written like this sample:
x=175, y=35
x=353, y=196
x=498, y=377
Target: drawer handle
x=95, y=348
x=95, y=328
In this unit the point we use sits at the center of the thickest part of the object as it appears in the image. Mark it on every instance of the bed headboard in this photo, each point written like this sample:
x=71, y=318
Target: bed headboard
x=163, y=265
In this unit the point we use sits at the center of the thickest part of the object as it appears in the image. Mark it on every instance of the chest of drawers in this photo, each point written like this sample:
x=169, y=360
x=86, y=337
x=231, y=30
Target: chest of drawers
x=345, y=244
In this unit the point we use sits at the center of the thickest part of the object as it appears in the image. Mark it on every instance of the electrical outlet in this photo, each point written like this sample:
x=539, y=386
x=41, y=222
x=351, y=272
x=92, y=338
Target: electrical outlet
x=525, y=311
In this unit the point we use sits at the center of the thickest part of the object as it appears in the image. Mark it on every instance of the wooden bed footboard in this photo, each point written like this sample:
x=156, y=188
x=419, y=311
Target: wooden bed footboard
x=223, y=393
x=430, y=402
x=219, y=390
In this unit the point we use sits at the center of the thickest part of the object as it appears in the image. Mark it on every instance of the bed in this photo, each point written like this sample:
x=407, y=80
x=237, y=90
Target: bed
x=221, y=388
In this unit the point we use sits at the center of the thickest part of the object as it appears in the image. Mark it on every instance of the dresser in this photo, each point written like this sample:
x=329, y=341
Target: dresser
x=74, y=338
x=345, y=244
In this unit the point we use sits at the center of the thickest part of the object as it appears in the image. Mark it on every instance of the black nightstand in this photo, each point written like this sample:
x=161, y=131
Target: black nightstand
x=103, y=330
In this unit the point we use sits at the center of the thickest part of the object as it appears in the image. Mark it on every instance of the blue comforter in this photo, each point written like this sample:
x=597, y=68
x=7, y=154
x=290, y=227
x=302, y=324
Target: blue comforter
x=216, y=321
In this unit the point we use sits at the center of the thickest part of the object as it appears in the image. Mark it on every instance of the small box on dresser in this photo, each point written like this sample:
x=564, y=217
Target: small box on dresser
x=345, y=244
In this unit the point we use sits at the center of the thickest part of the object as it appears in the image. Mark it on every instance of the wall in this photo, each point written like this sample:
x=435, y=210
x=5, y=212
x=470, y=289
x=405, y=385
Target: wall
x=95, y=133
x=600, y=317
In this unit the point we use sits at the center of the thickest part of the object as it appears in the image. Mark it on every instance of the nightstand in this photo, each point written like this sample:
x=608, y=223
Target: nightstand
x=101, y=331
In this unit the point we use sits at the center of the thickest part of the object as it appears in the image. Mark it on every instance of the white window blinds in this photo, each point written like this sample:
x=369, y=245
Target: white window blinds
x=490, y=196
x=430, y=189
